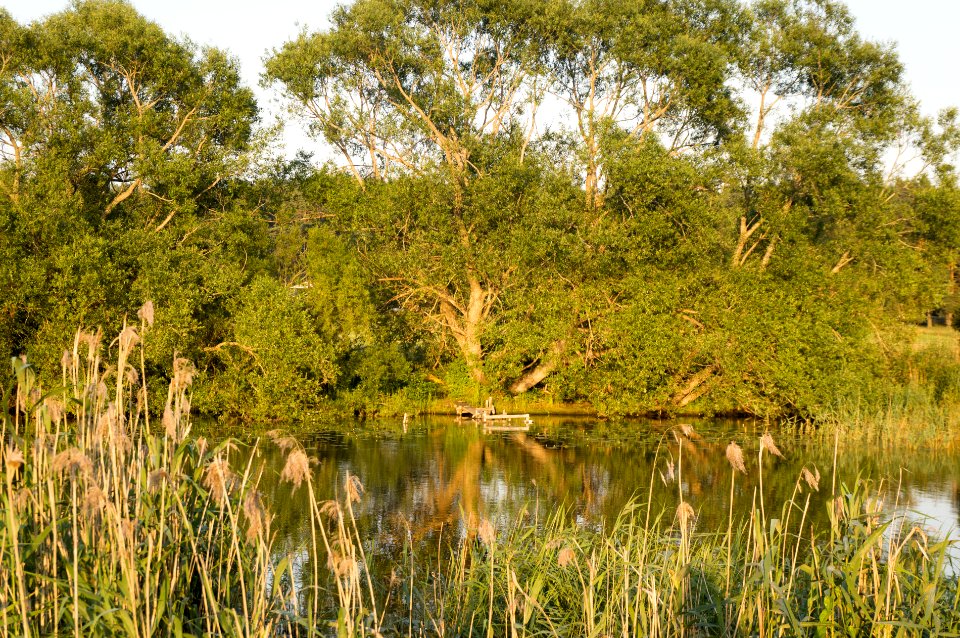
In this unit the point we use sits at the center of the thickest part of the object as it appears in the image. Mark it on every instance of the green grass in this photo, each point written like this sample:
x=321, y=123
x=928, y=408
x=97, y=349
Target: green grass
x=918, y=408
x=937, y=337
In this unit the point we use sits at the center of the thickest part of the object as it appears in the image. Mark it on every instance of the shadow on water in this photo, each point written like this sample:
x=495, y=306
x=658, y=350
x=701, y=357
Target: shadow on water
x=437, y=477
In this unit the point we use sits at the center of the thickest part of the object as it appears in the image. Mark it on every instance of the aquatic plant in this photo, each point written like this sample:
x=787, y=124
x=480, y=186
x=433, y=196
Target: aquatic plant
x=108, y=530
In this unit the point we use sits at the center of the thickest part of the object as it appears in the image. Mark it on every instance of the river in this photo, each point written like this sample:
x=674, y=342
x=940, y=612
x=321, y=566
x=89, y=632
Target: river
x=427, y=480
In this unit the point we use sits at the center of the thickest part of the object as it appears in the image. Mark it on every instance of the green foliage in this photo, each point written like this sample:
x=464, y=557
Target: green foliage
x=123, y=145
x=646, y=252
x=276, y=361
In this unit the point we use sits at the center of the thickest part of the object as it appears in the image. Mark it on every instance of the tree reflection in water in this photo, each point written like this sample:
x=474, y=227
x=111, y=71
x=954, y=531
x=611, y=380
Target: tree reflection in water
x=441, y=477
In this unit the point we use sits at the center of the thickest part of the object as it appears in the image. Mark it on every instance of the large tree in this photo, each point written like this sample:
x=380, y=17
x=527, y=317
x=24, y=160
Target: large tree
x=120, y=147
x=440, y=100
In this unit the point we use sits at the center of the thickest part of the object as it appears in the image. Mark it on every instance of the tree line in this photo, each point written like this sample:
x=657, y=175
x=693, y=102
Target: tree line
x=649, y=206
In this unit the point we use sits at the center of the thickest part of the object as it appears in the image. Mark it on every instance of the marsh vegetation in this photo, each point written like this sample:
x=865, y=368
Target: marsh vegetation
x=109, y=529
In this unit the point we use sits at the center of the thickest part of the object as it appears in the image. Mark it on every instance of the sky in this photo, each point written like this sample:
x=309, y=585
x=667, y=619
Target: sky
x=923, y=31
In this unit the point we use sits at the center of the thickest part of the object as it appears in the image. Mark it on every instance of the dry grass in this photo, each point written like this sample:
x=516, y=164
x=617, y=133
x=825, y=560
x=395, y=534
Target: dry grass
x=108, y=530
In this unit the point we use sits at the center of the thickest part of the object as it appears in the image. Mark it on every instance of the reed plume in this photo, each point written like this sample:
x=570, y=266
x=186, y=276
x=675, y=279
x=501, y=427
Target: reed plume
x=812, y=479
x=13, y=459
x=256, y=515
x=486, y=532
x=219, y=479
x=766, y=442
x=297, y=468
x=354, y=488
x=735, y=457
x=145, y=314
x=74, y=461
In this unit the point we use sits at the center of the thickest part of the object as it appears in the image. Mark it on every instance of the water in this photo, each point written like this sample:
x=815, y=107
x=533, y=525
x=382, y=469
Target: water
x=428, y=481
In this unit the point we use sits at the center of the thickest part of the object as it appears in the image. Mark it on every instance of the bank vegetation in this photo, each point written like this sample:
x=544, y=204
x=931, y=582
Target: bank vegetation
x=645, y=207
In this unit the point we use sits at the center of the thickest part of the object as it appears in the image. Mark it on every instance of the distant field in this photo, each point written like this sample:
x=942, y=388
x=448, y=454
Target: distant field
x=937, y=337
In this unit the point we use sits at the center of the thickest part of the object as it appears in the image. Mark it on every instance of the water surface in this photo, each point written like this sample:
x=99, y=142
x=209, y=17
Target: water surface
x=431, y=478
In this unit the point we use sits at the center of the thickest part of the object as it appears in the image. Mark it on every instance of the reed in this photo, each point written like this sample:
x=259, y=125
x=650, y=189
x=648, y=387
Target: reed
x=107, y=529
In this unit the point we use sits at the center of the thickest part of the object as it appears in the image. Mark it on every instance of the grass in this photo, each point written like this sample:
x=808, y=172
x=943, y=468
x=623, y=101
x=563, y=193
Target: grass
x=940, y=338
x=108, y=530
x=921, y=411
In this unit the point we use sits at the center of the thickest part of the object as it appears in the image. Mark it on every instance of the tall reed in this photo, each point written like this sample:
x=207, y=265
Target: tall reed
x=108, y=530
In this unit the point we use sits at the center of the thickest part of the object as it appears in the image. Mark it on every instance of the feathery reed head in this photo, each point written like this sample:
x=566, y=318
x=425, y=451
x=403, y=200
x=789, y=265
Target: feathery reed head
x=282, y=441
x=330, y=508
x=170, y=423
x=812, y=478
x=128, y=338
x=183, y=371
x=74, y=461
x=156, y=480
x=486, y=532
x=735, y=456
x=286, y=443
x=766, y=442
x=145, y=314
x=256, y=515
x=566, y=556
x=670, y=477
x=92, y=341
x=219, y=479
x=108, y=419
x=354, y=488
x=13, y=459
x=54, y=408
x=341, y=565
x=94, y=502
x=101, y=391
x=297, y=468
x=132, y=376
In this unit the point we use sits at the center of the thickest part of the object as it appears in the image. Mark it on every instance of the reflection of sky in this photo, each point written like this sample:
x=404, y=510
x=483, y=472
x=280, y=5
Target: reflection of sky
x=934, y=506
x=420, y=484
x=934, y=512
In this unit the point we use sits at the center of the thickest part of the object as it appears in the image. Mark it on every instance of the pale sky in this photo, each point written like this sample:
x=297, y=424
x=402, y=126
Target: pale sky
x=924, y=31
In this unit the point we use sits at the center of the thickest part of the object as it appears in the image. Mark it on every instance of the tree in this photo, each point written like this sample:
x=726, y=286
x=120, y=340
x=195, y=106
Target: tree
x=649, y=68
x=457, y=85
x=407, y=83
x=120, y=148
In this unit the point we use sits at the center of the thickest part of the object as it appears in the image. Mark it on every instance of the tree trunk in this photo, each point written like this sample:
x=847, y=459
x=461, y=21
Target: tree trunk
x=761, y=116
x=541, y=371
x=741, y=252
x=695, y=388
x=952, y=290
x=466, y=326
